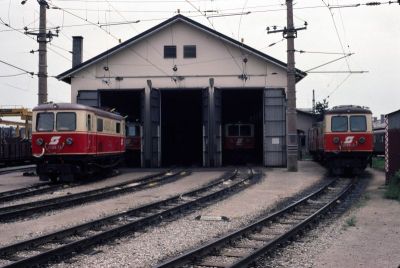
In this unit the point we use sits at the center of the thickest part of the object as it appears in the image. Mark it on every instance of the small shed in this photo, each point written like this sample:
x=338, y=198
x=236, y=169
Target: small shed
x=392, y=146
x=305, y=120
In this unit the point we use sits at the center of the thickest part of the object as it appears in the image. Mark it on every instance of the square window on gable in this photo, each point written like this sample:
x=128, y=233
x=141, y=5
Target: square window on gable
x=169, y=52
x=189, y=51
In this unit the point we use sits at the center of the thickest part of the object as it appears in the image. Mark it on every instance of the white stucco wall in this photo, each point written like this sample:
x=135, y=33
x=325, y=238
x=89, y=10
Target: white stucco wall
x=144, y=60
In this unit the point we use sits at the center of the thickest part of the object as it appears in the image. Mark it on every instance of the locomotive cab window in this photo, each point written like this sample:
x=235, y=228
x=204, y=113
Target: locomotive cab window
x=232, y=131
x=245, y=131
x=339, y=123
x=45, y=122
x=358, y=123
x=133, y=131
x=66, y=121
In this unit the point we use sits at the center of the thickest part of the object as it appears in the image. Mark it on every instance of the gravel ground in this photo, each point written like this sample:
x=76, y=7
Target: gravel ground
x=373, y=241
x=125, y=176
x=16, y=180
x=157, y=243
x=21, y=230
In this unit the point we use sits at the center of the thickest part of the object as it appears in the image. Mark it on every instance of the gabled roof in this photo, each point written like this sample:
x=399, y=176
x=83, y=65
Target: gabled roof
x=392, y=113
x=66, y=76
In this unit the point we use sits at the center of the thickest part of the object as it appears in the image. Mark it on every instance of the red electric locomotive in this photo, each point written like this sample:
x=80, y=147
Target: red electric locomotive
x=343, y=141
x=239, y=136
x=133, y=143
x=71, y=140
x=133, y=137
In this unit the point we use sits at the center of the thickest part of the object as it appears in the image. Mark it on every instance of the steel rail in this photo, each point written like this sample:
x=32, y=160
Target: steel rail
x=16, y=168
x=146, y=215
x=36, y=189
x=28, y=209
x=214, y=246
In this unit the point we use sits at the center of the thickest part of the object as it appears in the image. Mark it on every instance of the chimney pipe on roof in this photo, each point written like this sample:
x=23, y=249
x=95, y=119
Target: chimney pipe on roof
x=77, y=47
x=382, y=118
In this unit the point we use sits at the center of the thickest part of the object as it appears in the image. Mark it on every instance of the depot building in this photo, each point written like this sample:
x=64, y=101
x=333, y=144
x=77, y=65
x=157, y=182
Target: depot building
x=189, y=87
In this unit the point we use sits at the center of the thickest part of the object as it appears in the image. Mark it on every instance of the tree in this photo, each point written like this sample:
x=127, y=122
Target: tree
x=320, y=108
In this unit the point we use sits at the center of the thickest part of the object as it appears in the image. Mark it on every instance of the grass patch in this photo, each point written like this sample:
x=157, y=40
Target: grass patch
x=393, y=189
x=378, y=163
x=351, y=222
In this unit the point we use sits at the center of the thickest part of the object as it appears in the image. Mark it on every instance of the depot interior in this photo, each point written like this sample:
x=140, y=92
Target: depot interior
x=182, y=123
x=181, y=128
x=243, y=106
x=128, y=103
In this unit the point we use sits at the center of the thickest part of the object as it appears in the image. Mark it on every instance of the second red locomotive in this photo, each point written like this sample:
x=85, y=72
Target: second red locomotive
x=343, y=141
x=71, y=140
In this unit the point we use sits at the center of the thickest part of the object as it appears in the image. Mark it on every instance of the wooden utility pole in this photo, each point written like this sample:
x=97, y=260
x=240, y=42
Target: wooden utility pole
x=290, y=33
x=43, y=37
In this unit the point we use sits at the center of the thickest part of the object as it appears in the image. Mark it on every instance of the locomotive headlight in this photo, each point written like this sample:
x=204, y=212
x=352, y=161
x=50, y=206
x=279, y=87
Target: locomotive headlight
x=39, y=141
x=336, y=140
x=361, y=140
x=69, y=141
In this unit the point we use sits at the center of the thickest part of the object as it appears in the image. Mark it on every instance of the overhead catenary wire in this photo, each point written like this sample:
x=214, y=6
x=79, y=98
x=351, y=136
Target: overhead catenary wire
x=18, y=68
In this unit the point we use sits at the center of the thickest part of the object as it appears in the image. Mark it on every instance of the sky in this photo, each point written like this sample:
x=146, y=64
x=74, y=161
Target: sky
x=369, y=77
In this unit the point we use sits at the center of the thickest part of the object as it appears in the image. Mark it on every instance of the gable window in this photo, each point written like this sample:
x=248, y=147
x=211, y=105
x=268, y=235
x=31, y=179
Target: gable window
x=169, y=52
x=189, y=51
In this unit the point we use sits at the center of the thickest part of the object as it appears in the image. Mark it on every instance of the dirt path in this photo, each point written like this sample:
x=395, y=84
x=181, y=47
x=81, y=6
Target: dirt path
x=374, y=240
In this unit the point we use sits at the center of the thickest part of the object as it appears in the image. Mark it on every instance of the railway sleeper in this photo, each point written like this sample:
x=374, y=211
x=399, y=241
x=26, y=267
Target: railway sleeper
x=235, y=252
x=217, y=261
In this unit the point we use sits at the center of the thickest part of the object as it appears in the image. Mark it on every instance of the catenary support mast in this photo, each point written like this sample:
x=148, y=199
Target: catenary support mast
x=290, y=33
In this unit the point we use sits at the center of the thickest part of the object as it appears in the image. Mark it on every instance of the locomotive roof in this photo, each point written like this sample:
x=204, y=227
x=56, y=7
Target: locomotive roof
x=74, y=106
x=345, y=109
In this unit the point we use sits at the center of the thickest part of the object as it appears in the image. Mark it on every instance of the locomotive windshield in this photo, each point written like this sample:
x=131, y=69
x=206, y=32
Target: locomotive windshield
x=66, y=121
x=45, y=122
x=239, y=130
x=358, y=123
x=233, y=130
x=133, y=130
x=245, y=130
x=339, y=123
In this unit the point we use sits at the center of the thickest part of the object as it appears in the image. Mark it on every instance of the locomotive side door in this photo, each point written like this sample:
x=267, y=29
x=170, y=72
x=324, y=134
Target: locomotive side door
x=205, y=119
x=155, y=98
x=91, y=136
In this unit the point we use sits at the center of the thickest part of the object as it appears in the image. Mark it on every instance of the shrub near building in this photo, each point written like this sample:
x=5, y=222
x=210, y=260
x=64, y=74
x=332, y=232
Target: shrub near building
x=393, y=190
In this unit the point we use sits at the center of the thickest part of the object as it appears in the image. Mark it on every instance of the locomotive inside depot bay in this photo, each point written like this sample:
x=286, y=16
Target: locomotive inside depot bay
x=72, y=140
x=343, y=140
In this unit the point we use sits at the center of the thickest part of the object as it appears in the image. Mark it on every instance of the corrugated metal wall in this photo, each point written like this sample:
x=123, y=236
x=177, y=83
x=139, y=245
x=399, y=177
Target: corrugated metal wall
x=274, y=128
x=393, y=144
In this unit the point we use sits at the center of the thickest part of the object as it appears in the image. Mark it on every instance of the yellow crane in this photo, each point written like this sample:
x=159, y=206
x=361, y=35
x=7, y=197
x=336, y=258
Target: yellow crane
x=23, y=113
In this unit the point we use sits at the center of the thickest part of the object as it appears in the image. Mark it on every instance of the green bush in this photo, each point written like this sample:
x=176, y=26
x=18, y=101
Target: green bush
x=393, y=189
x=378, y=163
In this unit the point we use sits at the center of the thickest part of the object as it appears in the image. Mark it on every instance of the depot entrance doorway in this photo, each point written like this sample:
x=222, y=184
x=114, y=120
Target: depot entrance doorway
x=242, y=126
x=181, y=127
x=129, y=103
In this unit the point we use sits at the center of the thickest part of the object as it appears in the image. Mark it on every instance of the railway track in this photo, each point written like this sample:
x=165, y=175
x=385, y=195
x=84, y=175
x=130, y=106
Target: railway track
x=36, y=189
x=9, y=213
x=243, y=247
x=7, y=170
x=62, y=244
